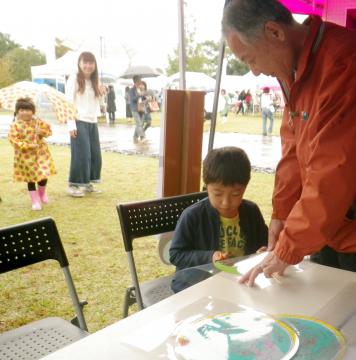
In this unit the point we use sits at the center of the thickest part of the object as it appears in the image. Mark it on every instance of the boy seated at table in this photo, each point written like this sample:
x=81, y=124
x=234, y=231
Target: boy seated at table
x=221, y=226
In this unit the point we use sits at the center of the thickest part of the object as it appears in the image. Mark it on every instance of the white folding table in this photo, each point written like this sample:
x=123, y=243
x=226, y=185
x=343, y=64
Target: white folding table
x=306, y=289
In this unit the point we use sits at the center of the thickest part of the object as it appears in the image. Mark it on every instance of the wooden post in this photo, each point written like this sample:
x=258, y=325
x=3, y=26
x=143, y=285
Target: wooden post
x=183, y=117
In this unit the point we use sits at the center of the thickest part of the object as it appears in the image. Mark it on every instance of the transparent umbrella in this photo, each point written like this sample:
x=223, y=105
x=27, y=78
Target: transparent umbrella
x=50, y=103
x=143, y=71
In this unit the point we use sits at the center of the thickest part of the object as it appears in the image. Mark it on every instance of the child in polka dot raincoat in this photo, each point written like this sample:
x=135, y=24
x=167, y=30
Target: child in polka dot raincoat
x=33, y=162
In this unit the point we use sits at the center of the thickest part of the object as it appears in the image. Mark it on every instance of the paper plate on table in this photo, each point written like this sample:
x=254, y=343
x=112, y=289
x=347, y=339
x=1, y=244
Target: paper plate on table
x=242, y=335
x=318, y=340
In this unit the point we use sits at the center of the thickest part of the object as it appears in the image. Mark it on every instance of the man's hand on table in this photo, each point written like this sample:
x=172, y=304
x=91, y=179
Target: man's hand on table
x=269, y=266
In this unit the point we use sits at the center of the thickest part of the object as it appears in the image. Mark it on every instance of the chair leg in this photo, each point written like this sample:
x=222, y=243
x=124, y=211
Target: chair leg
x=129, y=299
x=75, y=320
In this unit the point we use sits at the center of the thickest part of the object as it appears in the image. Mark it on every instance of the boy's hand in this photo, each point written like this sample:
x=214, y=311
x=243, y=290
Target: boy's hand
x=220, y=255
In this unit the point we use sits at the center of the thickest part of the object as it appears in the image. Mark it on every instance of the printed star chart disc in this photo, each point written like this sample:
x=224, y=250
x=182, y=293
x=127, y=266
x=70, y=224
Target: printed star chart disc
x=318, y=340
x=246, y=335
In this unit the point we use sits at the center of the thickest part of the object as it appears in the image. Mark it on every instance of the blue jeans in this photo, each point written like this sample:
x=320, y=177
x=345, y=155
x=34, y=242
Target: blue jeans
x=85, y=162
x=266, y=113
x=139, y=125
x=147, y=120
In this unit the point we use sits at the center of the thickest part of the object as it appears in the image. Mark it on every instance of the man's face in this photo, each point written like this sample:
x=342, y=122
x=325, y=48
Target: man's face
x=261, y=55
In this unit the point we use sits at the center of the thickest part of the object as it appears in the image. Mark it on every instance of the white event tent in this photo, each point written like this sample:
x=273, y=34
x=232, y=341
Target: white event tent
x=231, y=83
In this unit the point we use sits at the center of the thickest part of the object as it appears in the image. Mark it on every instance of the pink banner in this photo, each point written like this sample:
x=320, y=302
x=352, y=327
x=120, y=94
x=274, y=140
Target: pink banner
x=305, y=6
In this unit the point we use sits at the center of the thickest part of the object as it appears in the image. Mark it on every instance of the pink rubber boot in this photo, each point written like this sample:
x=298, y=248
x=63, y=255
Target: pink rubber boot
x=42, y=194
x=36, y=202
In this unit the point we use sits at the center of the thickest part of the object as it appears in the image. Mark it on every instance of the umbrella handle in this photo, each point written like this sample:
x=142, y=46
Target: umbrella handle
x=36, y=130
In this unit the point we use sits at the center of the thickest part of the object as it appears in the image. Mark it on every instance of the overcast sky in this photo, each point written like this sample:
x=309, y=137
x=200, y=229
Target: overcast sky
x=149, y=29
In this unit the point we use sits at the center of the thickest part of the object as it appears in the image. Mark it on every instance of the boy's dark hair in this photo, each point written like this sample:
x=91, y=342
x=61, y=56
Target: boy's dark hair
x=228, y=165
x=25, y=103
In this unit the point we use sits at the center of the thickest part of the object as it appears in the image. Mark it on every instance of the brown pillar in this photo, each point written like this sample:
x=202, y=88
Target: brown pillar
x=183, y=119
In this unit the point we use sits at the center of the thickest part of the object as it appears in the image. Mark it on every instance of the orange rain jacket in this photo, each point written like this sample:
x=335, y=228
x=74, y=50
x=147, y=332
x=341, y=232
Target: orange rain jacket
x=316, y=178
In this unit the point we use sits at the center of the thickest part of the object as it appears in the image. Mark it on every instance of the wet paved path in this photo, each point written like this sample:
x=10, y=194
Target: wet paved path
x=264, y=152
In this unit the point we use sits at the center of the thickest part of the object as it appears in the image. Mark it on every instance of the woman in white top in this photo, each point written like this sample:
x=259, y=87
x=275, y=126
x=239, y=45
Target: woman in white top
x=83, y=90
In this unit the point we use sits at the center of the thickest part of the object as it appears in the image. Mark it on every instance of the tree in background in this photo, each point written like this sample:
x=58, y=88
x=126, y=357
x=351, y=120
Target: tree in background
x=234, y=66
x=20, y=61
x=5, y=74
x=204, y=57
x=210, y=52
x=194, y=56
x=16, y=61
x=6, y=44
x=60, y=48
x=130, y=53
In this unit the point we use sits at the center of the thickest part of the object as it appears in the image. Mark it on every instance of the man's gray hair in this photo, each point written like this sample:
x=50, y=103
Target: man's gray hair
x=248, y=17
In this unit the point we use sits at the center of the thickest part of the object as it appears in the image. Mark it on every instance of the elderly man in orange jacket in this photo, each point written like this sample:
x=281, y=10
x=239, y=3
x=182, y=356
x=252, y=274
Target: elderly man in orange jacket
x=315, y=187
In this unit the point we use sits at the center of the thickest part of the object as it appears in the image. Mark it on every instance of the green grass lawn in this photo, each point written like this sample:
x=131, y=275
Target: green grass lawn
x=90, y=231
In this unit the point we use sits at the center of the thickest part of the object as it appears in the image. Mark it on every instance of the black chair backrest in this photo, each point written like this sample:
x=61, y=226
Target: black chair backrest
x=29, y=243
x=153, y=217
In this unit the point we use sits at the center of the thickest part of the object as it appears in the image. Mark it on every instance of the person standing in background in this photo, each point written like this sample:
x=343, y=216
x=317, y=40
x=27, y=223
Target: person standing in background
x=225, y=111
x=267, y=110
x=111, y=105
x=248, y=102
x=103, y=89
x=127, y=101
x=146, y=116
x=83, y=90
x=137, y=107
x=241, y=98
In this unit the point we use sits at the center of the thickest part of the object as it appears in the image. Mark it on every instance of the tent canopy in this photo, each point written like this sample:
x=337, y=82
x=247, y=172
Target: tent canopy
x=231, y=83
x=65, y=65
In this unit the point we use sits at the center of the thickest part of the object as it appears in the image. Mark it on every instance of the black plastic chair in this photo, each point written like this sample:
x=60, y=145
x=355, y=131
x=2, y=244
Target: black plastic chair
x=146, y=218
x=25, y=244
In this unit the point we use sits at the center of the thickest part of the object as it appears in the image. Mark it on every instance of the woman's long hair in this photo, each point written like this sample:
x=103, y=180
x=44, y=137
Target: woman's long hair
x=94, y=77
